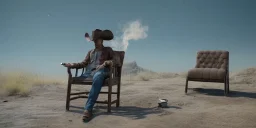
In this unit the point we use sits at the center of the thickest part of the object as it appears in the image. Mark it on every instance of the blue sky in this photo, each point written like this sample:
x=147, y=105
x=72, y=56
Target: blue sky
x=37, y=35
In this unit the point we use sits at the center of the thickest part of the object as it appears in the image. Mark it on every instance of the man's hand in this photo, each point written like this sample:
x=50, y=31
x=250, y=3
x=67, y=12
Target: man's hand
x=100, y=67
x=68, y=65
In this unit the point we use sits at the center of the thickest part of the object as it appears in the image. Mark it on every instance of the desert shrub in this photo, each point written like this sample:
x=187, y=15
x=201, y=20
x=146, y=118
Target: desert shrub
x=20, y=83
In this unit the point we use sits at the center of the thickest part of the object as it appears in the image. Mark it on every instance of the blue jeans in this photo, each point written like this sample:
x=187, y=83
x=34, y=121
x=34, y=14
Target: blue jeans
x=98, y=79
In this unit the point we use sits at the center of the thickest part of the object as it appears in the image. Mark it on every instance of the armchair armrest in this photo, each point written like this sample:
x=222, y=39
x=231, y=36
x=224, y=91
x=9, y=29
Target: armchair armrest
x=113, y=71
x=70, y=73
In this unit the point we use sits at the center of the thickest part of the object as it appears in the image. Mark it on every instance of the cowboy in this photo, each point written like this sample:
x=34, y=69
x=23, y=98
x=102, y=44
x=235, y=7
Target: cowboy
x=97, y=62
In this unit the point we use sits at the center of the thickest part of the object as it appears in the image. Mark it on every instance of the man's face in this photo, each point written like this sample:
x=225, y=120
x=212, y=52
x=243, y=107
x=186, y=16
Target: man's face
x=98, y=43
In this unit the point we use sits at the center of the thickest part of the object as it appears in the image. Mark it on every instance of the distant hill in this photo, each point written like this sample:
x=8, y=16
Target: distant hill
x=246, y=76
x=132, y=68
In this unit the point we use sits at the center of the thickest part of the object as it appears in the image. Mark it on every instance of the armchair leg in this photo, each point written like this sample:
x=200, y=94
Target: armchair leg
x=225, y=87
x=109, y=97
x=228, y=85
x=186, y=87
x=68, y=96
x=118, y=96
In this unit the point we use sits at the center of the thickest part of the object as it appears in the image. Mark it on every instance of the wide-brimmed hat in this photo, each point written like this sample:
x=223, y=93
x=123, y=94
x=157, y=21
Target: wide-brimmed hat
x=99, y=34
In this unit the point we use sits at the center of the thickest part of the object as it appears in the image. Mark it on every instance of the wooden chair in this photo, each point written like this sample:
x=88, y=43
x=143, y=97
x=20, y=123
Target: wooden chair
x=113, y=79
x=211, y=66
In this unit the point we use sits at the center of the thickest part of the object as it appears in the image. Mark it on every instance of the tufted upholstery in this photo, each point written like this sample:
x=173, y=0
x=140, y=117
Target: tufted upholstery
x=210, y=65
x=212, y=59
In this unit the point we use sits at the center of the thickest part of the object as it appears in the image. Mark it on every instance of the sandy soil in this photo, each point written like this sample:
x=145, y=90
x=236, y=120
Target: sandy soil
x=203, y=107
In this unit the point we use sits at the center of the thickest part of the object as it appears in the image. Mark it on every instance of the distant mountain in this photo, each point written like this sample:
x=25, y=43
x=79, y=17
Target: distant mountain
x=132, y=68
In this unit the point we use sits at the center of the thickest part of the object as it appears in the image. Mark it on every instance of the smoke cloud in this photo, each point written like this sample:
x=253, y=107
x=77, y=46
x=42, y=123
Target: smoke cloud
x=131, y=31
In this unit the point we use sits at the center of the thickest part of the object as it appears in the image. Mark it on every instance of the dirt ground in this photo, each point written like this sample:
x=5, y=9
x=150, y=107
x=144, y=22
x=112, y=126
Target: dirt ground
x=203, y=107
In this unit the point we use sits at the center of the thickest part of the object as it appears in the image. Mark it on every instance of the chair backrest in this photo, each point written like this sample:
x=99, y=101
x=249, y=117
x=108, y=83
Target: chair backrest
x=119, y=58
x=213, y=59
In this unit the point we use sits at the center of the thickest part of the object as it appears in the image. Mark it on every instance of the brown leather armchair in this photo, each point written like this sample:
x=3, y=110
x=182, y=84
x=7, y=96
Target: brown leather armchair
x=211, y=66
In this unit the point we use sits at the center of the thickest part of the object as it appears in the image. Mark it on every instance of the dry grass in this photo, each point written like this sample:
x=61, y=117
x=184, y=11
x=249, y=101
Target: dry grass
x=146, y=76
x=20, y=83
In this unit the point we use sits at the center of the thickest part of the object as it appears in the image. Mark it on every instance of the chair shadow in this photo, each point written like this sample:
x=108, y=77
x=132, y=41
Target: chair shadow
x=220, y=92
x=132, y=112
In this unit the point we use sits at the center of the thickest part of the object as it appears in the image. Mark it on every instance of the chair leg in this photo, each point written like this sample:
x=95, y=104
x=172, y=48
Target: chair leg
x=109, y=97
x=228, y=85
x=225, y=87
x=68, y=96
x=118, y=95
x=186, y=87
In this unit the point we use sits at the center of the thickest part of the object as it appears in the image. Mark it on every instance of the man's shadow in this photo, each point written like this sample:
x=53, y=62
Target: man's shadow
x=132, y=112
x=220, y=92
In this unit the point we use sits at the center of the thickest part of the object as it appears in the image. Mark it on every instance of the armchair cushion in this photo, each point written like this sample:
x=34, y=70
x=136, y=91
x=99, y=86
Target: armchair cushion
x=207, y=73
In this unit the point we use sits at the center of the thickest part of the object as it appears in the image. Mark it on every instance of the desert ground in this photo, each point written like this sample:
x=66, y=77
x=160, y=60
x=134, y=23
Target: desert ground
x=204, y=106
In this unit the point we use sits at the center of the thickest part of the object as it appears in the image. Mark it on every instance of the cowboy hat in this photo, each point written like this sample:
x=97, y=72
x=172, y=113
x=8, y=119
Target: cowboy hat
x=100, y=34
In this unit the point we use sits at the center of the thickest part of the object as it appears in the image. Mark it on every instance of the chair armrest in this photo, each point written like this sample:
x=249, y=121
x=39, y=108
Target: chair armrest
x=113, y=71
x=70, y=73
